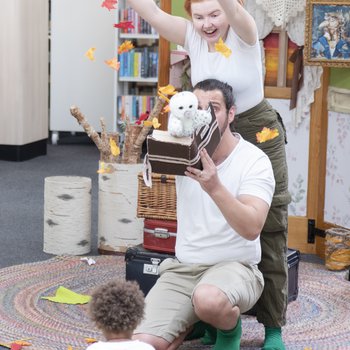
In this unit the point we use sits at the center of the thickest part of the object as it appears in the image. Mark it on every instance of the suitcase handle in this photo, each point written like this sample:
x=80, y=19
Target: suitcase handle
x=160, y=232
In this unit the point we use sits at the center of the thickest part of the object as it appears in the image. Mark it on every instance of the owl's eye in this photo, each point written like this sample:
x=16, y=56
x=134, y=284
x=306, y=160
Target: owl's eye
x=190, y=106
x=181, y=107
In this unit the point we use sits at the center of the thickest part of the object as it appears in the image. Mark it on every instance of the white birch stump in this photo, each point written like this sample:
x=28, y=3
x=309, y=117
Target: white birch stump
x=67, y=217
x=118, y=226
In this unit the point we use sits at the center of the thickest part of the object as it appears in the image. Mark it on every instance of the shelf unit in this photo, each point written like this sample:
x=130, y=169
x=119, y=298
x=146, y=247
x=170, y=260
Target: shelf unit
x=135, y=65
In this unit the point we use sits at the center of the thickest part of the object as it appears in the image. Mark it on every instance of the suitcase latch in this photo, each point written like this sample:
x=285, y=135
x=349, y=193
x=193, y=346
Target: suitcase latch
x=161, y=233
x=152, y=269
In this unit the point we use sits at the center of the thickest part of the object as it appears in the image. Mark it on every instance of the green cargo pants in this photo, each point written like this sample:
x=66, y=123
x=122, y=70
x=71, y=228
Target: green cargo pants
x=272, y=305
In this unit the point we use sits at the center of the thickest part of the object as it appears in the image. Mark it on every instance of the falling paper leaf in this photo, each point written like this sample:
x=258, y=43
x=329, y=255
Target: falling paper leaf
x=90, y=340
x=148, y=123
x=126, y=46
x=115, y=150
x=266, y=134
x=113, y=63
x=166, y=109
x=221, y=47
x=70, y=347
x=167, y=90
x=109, y=4
x=124, y=25
x=66, y=296
x=90, y=53
x=155, y=123
x=15, y=346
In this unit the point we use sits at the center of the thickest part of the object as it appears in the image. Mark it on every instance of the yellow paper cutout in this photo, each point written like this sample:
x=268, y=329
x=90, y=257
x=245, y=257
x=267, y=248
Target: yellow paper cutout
x=115, y=150
x=90, y=340
x=105, y=169
x=167, y=90
x=266, y=134
x=166, y=109
x=221, y=47
x=148, y=123
x=113, y=63
x=155, y=123
x=90, y=54
x=126, y=46
x=66, y=296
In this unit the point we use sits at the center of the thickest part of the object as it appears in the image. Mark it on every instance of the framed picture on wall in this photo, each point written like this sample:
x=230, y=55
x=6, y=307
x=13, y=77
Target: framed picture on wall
x=327, y=33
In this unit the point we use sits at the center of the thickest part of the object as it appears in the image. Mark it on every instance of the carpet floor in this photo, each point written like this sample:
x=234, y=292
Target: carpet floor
x=317, y=320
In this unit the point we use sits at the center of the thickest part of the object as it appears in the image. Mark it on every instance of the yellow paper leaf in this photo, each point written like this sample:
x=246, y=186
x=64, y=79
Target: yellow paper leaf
x=166, y=109
x=113, y=63
x=155, y=123
x=266, y=134
x=66, y=296
x=126, y=46
x=90, y=54
x=167, y=90
x=105, y=169
x=115, y=150
x=147, y=123
x=221, y=47
x=70, y=347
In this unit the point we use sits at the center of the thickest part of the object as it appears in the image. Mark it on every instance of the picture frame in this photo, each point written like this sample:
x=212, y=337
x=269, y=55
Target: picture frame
x=327, y=33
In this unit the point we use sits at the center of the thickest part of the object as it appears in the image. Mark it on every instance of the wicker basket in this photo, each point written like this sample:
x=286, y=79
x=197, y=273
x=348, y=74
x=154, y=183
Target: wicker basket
x=159, y=201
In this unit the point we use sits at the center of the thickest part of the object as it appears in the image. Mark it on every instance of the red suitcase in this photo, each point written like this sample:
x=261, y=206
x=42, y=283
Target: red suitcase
x=160, y=235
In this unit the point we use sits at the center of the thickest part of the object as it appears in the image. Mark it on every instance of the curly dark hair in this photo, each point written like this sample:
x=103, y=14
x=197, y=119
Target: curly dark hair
x=117, y=306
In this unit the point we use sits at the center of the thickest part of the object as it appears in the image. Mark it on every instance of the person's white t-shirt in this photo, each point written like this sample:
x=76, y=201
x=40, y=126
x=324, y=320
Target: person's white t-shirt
x=120, y=345
x=203, y=234
x=242, y=69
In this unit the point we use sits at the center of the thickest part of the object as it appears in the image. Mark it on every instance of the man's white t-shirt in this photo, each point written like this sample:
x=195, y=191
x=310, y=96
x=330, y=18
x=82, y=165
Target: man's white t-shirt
x=203, y=234
x=242, y=69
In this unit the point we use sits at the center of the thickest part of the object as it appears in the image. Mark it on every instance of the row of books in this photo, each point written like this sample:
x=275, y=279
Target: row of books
x=141, y=26
x=133, y=106
x=141, y=62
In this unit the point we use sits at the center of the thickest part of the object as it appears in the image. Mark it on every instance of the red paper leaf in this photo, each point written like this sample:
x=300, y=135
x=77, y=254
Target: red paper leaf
x=124, y=25
x=15, y=346
x=109, y=4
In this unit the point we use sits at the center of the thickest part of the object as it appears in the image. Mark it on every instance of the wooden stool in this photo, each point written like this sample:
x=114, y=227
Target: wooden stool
x=67, y=217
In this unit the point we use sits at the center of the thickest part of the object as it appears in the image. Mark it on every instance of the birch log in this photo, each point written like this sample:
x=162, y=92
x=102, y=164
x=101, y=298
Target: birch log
x=67, y=215
x=337, y=248
x=118, y=226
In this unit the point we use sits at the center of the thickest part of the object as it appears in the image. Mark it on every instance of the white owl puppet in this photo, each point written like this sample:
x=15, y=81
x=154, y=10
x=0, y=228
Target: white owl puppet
x=185, y=117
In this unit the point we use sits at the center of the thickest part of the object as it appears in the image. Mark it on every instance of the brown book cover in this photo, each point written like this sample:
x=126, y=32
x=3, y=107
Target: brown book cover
x=172, y=155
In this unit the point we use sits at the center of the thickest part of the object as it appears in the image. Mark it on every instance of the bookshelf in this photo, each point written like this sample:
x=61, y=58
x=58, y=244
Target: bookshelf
x=137, y=77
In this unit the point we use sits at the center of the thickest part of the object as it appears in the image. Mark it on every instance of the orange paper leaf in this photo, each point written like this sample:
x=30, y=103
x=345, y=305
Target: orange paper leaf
x=126, y=46
x=90, y=340
x=90, y=53
x=266, y=134
x=113, y=63
x=167, y=90
x=221, y=47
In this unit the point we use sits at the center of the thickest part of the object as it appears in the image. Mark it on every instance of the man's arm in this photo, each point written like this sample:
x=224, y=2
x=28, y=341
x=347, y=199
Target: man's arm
x=240, y=20
x=246, y=214
x=170, y=27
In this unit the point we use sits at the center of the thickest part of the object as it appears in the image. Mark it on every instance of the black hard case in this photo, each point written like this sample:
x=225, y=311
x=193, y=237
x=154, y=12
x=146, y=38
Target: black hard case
x=142, y=266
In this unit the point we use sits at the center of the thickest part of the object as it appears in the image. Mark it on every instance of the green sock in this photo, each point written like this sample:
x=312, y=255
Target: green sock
x=209, y=337
x=230, y=339
x=273, y=339
x=198, y=331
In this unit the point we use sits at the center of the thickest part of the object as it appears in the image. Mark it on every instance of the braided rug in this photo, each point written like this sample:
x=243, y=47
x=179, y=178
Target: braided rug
x=318, y=319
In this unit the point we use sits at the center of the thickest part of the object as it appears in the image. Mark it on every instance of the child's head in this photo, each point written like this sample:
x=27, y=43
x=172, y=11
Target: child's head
x=117, y=307
x=188, y=3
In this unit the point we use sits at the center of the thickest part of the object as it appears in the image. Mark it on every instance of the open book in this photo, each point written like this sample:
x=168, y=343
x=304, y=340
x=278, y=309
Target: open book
x=172, y=155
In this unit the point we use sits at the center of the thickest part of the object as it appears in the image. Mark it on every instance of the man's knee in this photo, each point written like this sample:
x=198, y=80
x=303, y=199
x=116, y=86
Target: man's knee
x=208, y=300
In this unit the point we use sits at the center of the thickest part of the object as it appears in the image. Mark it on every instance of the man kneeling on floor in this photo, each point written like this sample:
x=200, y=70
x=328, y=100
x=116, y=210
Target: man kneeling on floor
x=220, y=211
